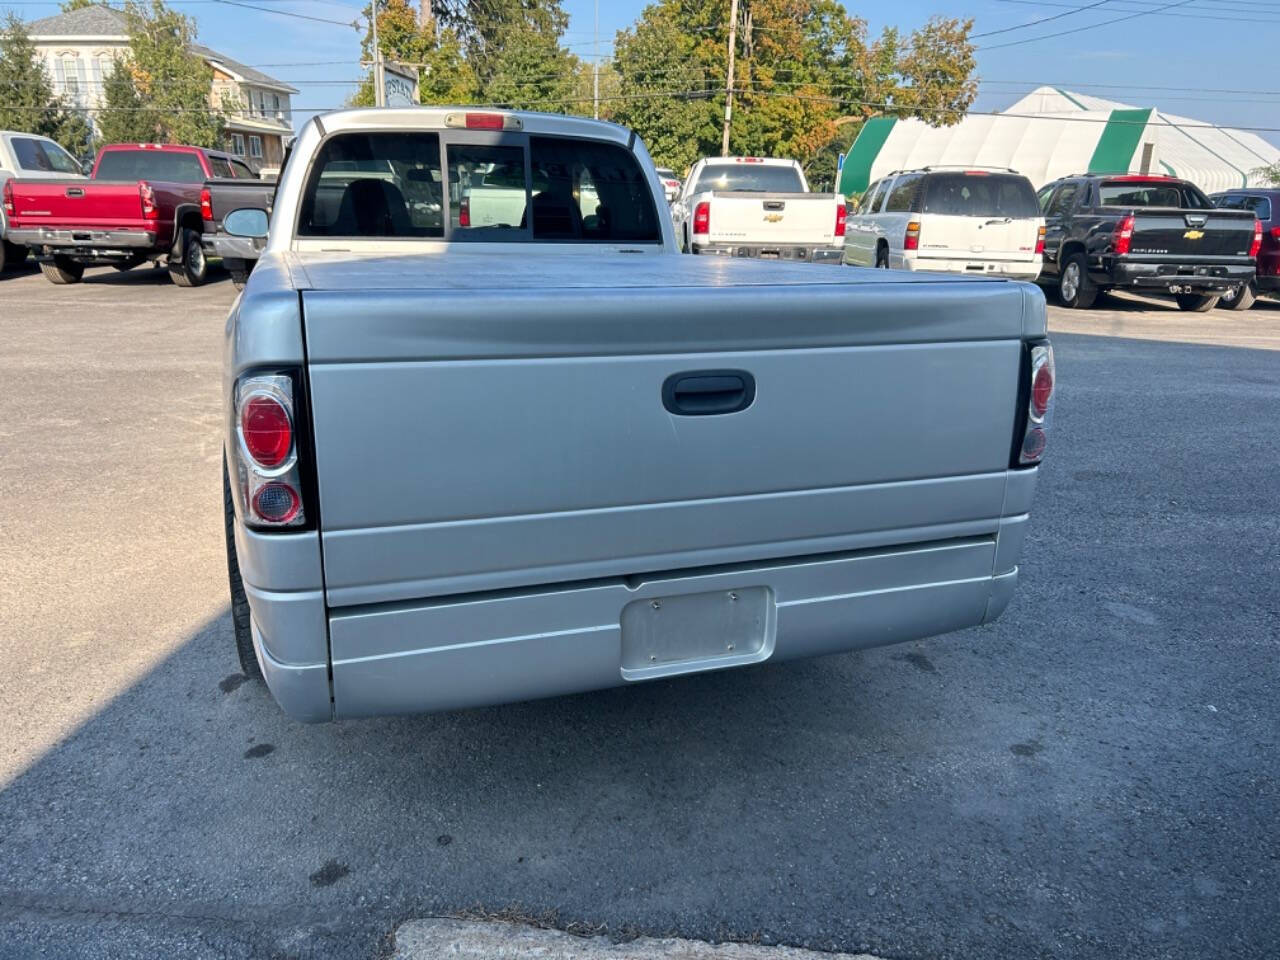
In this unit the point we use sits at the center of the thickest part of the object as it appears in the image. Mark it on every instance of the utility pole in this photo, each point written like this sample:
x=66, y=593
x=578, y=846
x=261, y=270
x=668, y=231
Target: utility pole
x=595, y=67
x=379, y=85
x=728, y=80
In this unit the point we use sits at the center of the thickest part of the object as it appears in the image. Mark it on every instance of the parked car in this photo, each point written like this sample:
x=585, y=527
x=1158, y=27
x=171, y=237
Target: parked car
x=1265, y=204
x=219, y=197
x=565, y=457
x=1146, y=233
x=974, y=221
x=33, y=158
x=757, y=207
x=142, y=202
x=670, y=183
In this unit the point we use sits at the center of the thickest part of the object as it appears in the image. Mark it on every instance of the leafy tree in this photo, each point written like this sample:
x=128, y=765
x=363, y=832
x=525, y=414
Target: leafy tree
x=26, y=93
x=805, y=78
x=444, y=74
x=1269, y=174
x=159, y=92
x=71, y=5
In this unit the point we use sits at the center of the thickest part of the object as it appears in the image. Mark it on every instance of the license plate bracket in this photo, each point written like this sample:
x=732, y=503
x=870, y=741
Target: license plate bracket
x=664, y=636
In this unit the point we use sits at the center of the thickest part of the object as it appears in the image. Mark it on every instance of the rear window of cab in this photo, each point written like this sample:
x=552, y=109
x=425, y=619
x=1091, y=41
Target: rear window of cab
x=518, y=188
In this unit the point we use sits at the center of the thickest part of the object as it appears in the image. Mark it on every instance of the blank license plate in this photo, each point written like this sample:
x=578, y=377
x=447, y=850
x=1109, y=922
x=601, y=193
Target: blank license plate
x=696, y=626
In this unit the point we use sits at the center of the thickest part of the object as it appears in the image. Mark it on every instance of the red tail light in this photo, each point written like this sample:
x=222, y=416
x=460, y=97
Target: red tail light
x=267, y=462
x=841, y=213
x=912, y=240
x=148, y=198
x=464, y=212
x=1040, y=241
x=702, y=217
x=8, y=197
x=1035, y=435
x=1124, y=235
x=266, y=428
x=206, y=205
x=1257, y=238
x=1275, y=233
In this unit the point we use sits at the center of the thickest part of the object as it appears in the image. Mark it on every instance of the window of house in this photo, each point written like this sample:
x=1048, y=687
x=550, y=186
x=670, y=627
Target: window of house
x=237, y=144
x=255, y=146
x=275, y=103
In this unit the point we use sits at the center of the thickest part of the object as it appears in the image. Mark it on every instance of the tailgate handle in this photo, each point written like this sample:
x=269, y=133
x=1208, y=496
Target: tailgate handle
x=774, y=204
x=700, y=393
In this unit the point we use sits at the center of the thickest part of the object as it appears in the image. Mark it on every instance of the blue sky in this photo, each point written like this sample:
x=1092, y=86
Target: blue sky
x=1187, y=50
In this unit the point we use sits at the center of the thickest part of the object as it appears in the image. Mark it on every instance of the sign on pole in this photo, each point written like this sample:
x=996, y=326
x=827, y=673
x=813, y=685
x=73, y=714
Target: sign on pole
x=401, y=83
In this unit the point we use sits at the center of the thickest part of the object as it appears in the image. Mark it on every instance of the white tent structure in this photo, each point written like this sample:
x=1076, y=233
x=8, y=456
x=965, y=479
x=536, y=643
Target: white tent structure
x=1051, y=133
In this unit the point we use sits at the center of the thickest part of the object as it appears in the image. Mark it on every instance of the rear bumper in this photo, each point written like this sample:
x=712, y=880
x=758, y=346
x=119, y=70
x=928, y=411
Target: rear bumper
x=1013, y=269
x=1166, y=276
x=83, y=239
x=502, y=647
x=756, y=251
x=228, y=247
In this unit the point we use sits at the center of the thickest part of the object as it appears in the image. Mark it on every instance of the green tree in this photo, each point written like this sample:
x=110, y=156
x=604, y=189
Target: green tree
x=1269, y=174
x=444, y=74
x=26, y=93
x=805, y=78
x=160, y=90
x=71, y=5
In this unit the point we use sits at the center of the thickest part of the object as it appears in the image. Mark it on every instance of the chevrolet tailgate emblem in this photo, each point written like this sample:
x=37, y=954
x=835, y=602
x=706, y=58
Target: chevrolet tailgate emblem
x=772, y=217
x=1193, y=235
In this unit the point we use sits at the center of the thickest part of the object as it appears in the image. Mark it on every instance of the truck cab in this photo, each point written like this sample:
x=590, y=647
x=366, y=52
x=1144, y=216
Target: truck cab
x=31, y=157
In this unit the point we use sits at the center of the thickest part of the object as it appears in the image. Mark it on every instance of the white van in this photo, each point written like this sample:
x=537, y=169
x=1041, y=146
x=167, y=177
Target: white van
x=951, y=220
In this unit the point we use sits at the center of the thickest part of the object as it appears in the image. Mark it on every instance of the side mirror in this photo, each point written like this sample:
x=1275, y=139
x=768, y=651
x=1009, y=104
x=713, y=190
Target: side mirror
x=250, y=222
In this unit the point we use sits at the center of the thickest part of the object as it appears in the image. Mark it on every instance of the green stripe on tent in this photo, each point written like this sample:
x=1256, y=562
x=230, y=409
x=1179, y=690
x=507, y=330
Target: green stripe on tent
x=1071, y=98
x=1120, y=138
x=856, y=175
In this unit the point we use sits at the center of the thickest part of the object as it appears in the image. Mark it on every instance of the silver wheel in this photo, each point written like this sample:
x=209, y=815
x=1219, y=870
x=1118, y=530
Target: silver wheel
x=195, y=257
x=1070, y=283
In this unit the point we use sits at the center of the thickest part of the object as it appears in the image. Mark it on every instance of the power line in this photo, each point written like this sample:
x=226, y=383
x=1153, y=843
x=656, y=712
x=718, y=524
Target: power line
x=289, y=13
x=1033, y=23
x=1090, y=26
x=1187, y=15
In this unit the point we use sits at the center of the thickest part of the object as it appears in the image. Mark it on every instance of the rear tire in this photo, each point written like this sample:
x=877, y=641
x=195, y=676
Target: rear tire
x=1075, y=289
x=62, y=270
x=1241, y=298
x=188, y=266
x=249, y=665
x=882, y=257
x=12, y=254
x=1196, y=302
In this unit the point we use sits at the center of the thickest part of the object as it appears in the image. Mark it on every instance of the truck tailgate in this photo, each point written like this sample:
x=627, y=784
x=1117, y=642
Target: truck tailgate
x=76, y=203
x=1191, y=235
x=781, y=218
x=473, y=441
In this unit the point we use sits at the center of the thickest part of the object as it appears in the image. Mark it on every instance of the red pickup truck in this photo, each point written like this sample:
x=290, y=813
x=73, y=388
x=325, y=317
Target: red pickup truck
x=141, y=202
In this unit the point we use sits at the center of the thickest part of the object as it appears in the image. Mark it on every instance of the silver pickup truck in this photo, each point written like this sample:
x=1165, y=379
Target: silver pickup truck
x=476, y=464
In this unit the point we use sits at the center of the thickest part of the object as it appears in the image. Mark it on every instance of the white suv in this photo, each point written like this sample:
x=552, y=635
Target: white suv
x=950, y=220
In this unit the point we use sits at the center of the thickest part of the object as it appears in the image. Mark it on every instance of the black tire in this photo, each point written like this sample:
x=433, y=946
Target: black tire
x=1075, y=289
x=239, y=270
x=1196, y=302
x=12, y=254
x=239, y=601
x=62, y=270
x=882, y=257
x=1239, y=298
x=188, y=266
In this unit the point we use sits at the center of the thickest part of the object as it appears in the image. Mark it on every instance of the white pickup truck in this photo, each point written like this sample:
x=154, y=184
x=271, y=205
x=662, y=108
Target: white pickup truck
x=469, y=464
x=30, y=157
x=757, y=207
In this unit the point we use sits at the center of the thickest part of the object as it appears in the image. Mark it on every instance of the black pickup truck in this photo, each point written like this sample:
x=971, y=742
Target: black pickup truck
x=1149, y=234
x=220, y=197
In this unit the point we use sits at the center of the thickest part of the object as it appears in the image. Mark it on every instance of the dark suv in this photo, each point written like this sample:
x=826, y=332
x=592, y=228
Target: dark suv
x=1265, y=204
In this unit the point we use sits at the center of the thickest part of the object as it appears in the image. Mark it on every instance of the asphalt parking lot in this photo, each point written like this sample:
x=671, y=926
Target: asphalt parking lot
x=1095, y=775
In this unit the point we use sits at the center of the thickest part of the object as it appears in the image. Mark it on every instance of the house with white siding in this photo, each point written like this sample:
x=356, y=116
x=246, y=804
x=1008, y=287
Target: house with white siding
x=79, y=49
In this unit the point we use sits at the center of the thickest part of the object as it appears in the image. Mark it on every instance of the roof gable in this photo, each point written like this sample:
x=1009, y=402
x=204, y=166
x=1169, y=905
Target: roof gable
x=94, y=21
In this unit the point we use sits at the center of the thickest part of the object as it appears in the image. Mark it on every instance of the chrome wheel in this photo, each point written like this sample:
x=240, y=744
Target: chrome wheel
x=1070, y=283
x=1230, y=294
x=195, y=258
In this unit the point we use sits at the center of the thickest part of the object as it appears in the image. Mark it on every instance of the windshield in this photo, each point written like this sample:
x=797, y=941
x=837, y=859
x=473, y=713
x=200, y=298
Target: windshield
x=173, y=166
x=980, y=195
x=749, y=178
x=43, y=155
x=1151, y=193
